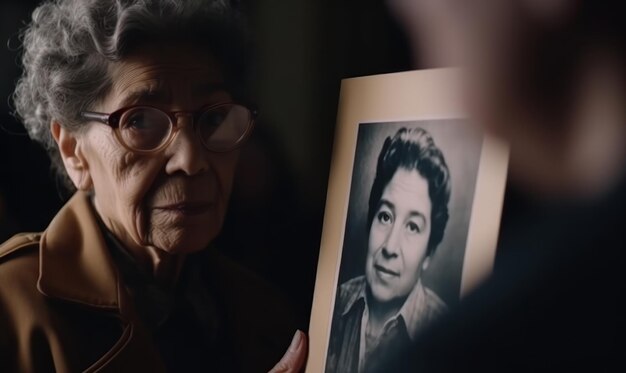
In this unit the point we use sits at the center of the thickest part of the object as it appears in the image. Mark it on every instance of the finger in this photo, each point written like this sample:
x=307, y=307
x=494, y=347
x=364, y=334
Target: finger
x=294, y=358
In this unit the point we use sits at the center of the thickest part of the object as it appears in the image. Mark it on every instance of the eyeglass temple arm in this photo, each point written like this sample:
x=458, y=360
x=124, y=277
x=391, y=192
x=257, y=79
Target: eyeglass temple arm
x=91, y=115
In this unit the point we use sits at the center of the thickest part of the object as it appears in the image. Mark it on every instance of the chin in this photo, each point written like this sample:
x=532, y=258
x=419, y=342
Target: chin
x=178, y=233
x=385, y=294
x=381, y=294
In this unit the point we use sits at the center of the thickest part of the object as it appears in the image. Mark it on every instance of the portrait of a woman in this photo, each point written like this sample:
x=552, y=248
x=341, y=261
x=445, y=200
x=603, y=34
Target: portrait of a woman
x=378, y=314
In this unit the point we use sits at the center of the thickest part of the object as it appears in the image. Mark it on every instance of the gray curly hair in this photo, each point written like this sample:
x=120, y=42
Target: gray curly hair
x=69, y=44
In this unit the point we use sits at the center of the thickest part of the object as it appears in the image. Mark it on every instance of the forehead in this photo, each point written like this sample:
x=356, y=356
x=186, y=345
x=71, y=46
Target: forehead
x=155, y=66
x=407, y=190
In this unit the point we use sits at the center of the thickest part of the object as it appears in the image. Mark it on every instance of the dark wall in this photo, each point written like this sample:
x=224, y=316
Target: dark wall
x=28, y=196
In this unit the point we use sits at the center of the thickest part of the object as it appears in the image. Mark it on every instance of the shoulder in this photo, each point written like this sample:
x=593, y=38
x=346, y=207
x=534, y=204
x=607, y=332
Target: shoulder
x=19, y=262
x=348, y=293
x=435, y=306
x=18, y=242
x=354, y=285
x=20, y=302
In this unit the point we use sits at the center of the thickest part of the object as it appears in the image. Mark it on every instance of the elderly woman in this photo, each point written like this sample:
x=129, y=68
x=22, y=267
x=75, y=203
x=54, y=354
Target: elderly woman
x=139, y=104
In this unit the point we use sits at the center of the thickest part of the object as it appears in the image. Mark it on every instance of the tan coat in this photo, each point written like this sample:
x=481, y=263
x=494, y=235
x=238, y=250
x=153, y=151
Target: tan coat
x=63, y=307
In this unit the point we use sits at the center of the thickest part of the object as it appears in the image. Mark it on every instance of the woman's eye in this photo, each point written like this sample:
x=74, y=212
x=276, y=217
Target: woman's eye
x=384, y=217
x=214, y=118
x=413, y=227
x=137, y=121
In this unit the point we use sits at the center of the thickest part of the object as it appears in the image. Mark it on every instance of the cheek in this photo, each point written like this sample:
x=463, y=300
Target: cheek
x=376, y=239
x=173, y=235
x=122, y=189
x=137, y=178
x=133, y=177
x=224, y=166
x=117, y=171
x=413, y=252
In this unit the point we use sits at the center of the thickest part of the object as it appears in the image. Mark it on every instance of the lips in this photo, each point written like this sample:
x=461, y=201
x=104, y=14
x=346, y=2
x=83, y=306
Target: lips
x=187, y=208
x=385, y=270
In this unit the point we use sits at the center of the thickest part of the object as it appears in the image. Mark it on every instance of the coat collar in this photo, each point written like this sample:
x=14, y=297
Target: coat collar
x=75, y=263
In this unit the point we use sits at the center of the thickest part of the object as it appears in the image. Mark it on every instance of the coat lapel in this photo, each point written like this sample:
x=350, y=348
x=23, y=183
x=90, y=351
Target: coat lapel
x=76, y=266
x=75, y=262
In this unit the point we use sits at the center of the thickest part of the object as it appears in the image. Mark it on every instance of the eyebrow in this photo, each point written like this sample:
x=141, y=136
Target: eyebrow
x=209, y=88
x=148, y=93
x=159, y=94
x=392, y=207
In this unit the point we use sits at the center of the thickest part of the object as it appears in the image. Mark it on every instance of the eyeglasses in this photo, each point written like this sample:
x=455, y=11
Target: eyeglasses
x=147, y=129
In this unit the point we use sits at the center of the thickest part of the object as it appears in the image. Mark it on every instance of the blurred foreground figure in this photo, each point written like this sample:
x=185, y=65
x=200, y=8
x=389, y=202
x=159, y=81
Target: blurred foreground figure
x=549, y=77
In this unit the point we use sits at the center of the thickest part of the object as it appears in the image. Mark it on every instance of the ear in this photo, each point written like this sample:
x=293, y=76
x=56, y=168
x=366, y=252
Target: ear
x=425, y=263
x=69, y=145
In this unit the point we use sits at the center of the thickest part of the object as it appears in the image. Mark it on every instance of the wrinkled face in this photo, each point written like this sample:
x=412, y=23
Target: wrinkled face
x=399, y=235
x=176, y=199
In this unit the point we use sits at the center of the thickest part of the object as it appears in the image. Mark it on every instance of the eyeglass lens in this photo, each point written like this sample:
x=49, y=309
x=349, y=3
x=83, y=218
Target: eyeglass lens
x=220, y=128
x=224, y=126
x=145, y=128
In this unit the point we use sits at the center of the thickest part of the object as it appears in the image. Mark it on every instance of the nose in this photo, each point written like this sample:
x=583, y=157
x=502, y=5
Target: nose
x=186, y=152
x=391, y=245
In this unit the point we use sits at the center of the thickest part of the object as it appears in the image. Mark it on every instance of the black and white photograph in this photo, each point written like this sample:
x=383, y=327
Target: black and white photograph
x=411, y=222
x=408, y=218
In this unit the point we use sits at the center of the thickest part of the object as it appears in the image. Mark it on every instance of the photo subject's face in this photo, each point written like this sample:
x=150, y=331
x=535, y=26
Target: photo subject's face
x=175, y=199
x=398, y=238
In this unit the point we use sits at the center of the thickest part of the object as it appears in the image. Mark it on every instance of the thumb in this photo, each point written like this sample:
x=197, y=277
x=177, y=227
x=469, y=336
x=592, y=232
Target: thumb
x=294, y=358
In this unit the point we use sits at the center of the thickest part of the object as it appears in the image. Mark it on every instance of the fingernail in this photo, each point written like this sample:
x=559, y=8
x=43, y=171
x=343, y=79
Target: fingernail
x=296, y=341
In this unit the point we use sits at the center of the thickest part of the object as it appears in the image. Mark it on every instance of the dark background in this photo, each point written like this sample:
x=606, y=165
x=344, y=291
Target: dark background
x=460, y=144
x=303, y=49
